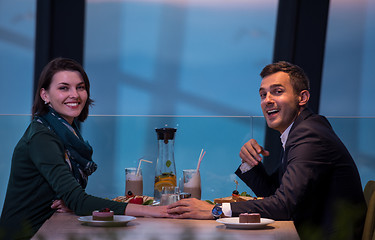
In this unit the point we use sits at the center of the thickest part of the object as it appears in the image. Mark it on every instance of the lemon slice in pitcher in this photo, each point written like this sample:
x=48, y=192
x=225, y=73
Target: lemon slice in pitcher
x=168, y=184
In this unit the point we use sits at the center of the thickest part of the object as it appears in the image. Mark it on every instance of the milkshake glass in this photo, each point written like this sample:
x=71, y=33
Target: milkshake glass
x=133, y=181
x=192, y=183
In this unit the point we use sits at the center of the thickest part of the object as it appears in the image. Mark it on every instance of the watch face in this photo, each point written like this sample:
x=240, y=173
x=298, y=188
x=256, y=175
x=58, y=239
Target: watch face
x=217, y=211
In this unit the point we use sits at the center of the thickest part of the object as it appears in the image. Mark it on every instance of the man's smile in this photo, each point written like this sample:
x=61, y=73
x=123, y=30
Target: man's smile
x=272, y=112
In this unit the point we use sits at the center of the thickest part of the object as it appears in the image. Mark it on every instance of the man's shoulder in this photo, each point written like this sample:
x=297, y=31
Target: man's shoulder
x=313, y=128
x=309, y=119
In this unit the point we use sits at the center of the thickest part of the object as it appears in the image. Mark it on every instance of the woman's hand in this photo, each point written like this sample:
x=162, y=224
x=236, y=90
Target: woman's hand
x=60, y=206
x=146, y=210
x=190, y=208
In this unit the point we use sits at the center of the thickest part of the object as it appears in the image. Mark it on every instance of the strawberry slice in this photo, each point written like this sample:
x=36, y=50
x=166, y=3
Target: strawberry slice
x=136, y=200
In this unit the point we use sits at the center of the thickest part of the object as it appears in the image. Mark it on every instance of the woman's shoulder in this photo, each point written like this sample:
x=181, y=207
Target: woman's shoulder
x=37, y=134
x=37, y=128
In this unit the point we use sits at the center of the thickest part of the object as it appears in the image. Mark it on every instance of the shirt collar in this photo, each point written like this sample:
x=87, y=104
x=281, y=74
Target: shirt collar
x=285, y=135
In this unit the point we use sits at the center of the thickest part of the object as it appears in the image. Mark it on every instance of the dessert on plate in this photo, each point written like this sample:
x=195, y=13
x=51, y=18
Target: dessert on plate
x=104, y=214
x=249, y=218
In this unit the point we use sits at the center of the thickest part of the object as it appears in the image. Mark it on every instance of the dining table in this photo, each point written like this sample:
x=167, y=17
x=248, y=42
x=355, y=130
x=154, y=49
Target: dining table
x=70, y=226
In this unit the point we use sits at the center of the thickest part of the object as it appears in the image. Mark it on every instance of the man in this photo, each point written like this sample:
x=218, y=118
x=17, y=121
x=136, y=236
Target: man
x=317, y=184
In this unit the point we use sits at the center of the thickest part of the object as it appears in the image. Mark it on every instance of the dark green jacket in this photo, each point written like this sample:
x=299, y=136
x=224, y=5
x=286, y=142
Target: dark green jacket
x=39, y=174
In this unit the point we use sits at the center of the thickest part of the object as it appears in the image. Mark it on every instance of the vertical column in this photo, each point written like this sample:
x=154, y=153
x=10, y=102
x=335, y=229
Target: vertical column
x=59, y=32
x=300, y=39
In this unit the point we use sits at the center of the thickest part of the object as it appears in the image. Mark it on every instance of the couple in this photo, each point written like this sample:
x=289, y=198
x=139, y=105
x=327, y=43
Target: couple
x=317, y=184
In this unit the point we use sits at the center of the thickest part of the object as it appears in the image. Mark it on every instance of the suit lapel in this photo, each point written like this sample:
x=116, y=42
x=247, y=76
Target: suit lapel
x=284, y=155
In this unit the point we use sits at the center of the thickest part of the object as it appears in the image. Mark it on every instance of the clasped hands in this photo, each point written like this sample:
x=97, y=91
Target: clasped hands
x=190, y=208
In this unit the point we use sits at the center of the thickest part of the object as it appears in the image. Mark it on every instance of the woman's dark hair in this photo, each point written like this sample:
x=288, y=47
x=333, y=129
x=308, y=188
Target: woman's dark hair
x=298, y=78
x=45, y=79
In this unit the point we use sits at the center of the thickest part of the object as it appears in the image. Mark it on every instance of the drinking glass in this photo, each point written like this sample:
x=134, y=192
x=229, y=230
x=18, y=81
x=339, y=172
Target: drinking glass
x=133, y=181
x=169, y=195
x=192, y=183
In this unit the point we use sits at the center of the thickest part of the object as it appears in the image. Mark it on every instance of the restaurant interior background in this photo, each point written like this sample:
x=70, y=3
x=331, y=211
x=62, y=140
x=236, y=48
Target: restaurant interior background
x=193, y=65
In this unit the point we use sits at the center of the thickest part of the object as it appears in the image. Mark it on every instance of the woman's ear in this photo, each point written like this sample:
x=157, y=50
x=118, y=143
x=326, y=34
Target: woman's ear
x=44, y=95
x=304, y=97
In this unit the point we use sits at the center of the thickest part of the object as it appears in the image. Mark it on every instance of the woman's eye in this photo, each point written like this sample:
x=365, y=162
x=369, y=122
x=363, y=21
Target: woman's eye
x=63, y=88
x=81, y=87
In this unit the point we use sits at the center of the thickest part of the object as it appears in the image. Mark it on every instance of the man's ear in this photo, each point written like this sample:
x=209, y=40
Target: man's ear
x=304, y=97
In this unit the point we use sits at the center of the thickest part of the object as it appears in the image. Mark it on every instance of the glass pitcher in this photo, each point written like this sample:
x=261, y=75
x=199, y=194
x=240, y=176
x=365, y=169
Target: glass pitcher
x=165, y=171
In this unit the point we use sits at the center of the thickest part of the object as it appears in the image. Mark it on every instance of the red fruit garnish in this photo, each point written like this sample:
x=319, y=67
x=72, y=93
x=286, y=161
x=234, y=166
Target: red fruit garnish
x=130, y=194
x=104, y=210
x=136, y=200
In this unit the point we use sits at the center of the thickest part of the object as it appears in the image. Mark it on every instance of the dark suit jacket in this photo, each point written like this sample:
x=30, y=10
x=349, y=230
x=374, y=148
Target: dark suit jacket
x=318, y=186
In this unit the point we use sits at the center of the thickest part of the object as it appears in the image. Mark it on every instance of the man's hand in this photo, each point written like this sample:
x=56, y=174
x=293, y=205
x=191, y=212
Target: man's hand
x=190, y=208
x=250, y=152
x=60, y=206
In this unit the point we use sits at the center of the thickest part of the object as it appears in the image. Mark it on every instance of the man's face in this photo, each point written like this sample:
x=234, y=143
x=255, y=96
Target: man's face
x=280, y=105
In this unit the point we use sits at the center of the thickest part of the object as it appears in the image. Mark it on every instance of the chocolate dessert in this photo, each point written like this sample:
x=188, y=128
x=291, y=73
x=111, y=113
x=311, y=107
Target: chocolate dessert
x=249, y=218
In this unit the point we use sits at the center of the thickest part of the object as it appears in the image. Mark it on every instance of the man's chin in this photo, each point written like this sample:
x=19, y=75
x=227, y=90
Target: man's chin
x=272, y=124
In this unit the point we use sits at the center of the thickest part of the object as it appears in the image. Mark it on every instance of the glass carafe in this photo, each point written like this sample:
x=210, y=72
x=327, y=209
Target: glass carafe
x=165, y=171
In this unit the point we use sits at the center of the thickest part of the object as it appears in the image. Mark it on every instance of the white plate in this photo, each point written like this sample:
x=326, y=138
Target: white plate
x=118, y=220
x=234, y=223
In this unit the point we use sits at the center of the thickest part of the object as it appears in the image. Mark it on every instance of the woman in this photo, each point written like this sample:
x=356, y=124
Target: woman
x=51, y=162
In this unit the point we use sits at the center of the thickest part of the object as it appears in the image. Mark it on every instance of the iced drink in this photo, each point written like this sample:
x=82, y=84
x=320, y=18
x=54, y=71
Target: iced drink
x=192, y=183
x=133, y=181
x=165, y=180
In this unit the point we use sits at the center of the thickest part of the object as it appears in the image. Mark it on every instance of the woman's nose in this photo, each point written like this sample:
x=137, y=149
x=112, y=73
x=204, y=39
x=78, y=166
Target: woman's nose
x=74, y=93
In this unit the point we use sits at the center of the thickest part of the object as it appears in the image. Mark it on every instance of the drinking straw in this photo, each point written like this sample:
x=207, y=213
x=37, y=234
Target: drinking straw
x=139, y=165
x=200, y=159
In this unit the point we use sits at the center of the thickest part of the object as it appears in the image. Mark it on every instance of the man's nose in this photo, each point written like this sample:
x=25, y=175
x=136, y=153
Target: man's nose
x=268, y=98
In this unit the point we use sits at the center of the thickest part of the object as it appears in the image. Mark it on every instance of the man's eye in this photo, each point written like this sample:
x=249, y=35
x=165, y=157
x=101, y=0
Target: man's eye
x=279, y=91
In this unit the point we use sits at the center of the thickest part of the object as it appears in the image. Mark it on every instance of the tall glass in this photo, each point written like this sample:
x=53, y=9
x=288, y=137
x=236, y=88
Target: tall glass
x=133, y=181
x=192, y=183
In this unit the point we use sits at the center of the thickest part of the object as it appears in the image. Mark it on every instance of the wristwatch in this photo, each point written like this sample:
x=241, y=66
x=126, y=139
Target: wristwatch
x=217, y=211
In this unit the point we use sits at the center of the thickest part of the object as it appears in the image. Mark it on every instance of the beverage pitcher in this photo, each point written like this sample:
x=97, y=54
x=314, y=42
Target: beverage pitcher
x=165, y=171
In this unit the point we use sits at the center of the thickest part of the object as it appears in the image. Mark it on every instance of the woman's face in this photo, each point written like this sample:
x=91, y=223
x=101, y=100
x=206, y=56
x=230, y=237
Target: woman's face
x=67, y=94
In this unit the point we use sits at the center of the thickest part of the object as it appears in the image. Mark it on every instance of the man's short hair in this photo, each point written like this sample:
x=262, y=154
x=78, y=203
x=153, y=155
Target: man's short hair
x=298, y=78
